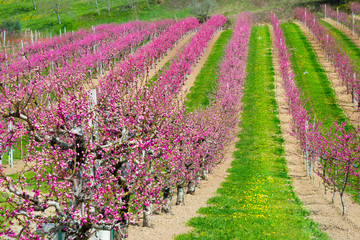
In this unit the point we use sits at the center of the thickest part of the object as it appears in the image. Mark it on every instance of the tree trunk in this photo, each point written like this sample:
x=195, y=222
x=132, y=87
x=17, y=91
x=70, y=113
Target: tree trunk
x=180, y=196
x=58, y=16
x=33, y=1
x=343, y=203
x=147, y=219
x=167, y=200
x=205, y=175
x=97, y=7
x=109, y=5
x=341, y=193
x=120, y=234
x=191, y=188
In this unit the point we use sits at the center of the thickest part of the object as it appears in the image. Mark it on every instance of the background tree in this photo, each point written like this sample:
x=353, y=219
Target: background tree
x=34, y=4
x=55, y=6
x=201, y=9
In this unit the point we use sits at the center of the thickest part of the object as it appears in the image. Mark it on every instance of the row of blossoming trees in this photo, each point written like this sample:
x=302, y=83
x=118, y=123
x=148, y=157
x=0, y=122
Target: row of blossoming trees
x=99, y=158
x=333, y=153
x=342, y=63
x=348, y=20
x=79, y=56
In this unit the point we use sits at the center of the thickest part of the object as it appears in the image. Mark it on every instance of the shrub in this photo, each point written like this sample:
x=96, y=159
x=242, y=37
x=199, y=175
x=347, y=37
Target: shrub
x=202, y=8
x=10, y=26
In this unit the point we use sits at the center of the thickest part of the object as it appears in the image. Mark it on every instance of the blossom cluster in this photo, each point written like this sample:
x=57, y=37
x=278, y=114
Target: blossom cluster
x=355, y=7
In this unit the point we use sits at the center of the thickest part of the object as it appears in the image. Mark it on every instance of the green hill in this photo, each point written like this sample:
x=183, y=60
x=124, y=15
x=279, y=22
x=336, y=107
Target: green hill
x=75, y=14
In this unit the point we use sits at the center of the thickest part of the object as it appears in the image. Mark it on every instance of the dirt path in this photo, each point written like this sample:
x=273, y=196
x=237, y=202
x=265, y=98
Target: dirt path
x=311, y=191
x=166, y=226
x=344, y=99
x=19, y=165
x=170, y=55
x=347, y=31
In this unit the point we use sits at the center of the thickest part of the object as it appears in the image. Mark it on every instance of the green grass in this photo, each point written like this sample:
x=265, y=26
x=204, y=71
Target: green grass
x=311, y=79
x=205, y=82
x=82, y=14
x=346, y=44
x=17, y=151
x=256, y=201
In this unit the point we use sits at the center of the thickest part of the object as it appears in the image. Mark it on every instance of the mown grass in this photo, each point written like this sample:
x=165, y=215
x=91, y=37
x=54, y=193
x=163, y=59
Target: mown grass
x=199, y=94
x=311, y=78
x=346, y=44
x=256, y=201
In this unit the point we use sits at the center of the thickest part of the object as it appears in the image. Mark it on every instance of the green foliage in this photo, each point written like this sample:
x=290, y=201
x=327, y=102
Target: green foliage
x=311, y=78
x=84, y=14
x=205, y=82
x=201, y=9
x=10, y=26
x=256, y=201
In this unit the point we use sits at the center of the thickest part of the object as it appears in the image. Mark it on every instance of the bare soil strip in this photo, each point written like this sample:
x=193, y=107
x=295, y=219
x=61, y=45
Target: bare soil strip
x=166, y=226
x=170, y=55
x=311, y=191
x=344, y=99
x=19, y=165
x=346, y=30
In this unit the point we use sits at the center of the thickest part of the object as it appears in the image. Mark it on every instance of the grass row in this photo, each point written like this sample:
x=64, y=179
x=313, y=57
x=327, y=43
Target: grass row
x=199, y=94
x=311, y=78
x=256, y=201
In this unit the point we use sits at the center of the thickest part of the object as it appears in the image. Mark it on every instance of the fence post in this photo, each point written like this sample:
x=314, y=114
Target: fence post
x=325, y=11
x=353, y=20
x=308, y=164
x=11, y=157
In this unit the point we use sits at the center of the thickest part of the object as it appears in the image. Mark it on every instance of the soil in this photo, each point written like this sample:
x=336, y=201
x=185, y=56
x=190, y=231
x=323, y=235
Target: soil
x=344, y=99
x=166, y=226
x=170, y=55
x=310, y=191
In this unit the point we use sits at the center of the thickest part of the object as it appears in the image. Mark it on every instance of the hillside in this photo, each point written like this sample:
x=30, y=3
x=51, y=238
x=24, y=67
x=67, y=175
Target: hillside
x=85, y=13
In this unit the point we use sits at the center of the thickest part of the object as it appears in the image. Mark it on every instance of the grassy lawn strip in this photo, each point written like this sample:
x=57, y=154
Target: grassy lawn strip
x=205, y=82
x=346, y=44
x=256, y=201
x=311, y=79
